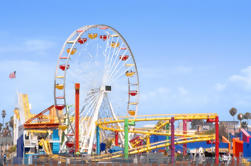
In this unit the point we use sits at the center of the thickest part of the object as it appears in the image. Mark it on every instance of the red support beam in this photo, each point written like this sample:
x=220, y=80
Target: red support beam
x=116, y=138
x=210, y=120
x=40, y=126
x=172, y=147
x=217, y=140
x=184, y=132
x=77, y=87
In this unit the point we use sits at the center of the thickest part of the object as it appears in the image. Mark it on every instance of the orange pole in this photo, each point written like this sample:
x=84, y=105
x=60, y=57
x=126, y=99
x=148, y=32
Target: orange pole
x=77, y=87
x=224, y=139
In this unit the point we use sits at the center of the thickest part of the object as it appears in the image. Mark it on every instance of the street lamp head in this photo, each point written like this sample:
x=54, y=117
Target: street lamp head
x=3, y=113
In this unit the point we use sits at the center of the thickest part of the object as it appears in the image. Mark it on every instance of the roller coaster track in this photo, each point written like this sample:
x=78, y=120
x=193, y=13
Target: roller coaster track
x=46, y=146
x=187, y=137
x=111, y=124
x=157, y=117
x=155, y=145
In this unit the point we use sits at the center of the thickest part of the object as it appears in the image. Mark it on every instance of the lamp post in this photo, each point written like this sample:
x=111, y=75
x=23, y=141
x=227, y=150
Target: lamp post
x=233, y=112
x=3, y=116
x=1, y=135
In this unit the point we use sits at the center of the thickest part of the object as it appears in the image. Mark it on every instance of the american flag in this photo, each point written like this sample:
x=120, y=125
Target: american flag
x=12, y=75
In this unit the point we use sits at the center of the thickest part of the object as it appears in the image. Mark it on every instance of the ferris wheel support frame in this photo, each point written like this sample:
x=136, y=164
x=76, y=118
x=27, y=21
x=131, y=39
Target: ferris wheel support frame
x=121, y=136
x=94, y=119
x=101, y=98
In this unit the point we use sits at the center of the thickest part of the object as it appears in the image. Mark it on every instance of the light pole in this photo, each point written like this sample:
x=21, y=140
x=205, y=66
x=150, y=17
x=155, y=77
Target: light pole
x=3, y=116
x=1, y=135
x=232, y=112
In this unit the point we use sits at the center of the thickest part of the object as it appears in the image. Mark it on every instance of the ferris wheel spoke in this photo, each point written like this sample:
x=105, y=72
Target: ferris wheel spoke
x=91, y=107
x=119, y=70
x=118, y=63
x=112, y=65
x=85, y=48
x=116, y=59
x=121, y=74
x=88, y=101
x=107, y=45
x=81, y=49
x=114, y=50
x=90, y=113
x=86, y=104
x=108, y=54
x=123, y=64
x=87, y=108
x=97, y=49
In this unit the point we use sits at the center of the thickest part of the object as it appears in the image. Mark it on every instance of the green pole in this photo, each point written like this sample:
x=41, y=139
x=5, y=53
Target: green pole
x=167, y=137
x=126, y=139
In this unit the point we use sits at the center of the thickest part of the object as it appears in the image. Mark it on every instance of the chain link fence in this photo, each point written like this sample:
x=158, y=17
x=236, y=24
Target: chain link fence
x=144, y=159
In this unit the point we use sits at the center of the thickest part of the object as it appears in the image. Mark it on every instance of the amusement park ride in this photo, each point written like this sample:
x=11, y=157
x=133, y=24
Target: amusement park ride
x=96, y=96
x=99, y=58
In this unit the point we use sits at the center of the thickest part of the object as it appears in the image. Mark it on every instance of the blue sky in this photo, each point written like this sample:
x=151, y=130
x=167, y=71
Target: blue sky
x=193, y=56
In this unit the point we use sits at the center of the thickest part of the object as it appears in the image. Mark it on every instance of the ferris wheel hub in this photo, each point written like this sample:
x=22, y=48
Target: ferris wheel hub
x=106, y=88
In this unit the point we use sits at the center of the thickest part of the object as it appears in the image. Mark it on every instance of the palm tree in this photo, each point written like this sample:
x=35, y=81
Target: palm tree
x=240, y=118
x=11, y=124
x=232, y=112
x=3, y=116
x=244, y=124
x=1, y=125
x=7, y=128
x=246, y=115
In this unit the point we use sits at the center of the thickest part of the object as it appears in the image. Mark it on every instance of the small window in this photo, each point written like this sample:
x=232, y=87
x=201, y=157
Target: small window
x=108, y=88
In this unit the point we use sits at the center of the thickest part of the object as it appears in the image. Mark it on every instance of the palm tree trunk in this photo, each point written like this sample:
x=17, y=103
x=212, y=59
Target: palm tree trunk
x=234, y=126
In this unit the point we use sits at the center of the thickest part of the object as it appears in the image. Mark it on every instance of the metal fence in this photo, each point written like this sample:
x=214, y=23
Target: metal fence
x=146, y=159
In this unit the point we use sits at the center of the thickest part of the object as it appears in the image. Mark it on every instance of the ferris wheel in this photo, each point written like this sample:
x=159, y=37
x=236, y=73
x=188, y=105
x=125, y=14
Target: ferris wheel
x=99, y=58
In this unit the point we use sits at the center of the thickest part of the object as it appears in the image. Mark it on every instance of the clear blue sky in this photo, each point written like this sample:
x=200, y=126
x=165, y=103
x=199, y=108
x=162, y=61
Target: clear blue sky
x=193, y=56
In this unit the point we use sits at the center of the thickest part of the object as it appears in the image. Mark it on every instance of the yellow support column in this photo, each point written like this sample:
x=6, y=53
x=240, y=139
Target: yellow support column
x=148, y=142
x=26, y=106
